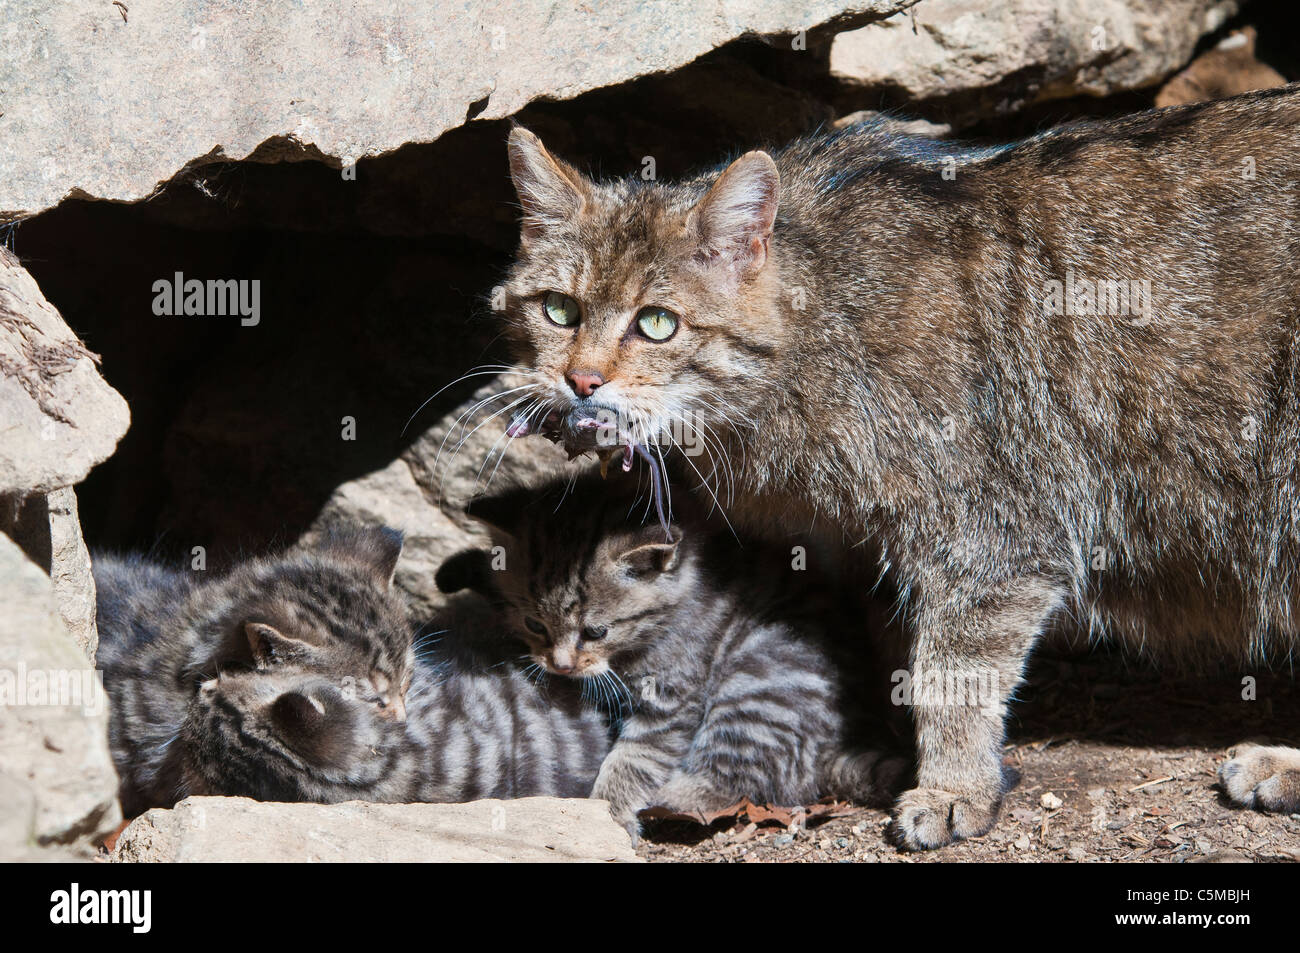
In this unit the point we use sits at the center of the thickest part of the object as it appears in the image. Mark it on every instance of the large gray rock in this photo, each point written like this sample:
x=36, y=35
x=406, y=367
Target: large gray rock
x=46, y=527
x=57, y=782
x=423, y=491
x=109, y=105
x=74, y=585
x=979, y=58
x=58, y=417
x=239, y=830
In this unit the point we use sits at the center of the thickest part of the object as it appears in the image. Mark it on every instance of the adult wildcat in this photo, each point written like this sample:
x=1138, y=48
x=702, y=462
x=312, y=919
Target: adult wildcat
x=163, y=632
x=722, y=667
x=1058, y=376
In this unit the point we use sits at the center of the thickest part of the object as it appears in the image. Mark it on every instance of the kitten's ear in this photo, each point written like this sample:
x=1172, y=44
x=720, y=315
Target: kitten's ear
x=733, y=222
x=315, y=722
x=653, y=557
x=272, y=647
x=502, y=512
x=378, y=548
x=375, y=549
x=551, y=192
x=472, y=570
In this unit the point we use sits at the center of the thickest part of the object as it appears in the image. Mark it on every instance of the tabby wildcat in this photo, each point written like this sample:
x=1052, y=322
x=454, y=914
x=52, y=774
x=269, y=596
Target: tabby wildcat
x=477, y=727
x=715, y=660
x=163, y=632
x=1056, y=378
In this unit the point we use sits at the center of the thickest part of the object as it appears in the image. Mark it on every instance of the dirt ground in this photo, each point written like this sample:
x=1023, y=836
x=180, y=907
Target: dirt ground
x=1129, y=752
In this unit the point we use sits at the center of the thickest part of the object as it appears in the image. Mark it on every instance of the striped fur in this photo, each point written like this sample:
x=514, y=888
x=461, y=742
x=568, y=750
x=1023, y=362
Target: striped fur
x=195, y=710
x=713, y=659
x=474, y=730
x=162, y=632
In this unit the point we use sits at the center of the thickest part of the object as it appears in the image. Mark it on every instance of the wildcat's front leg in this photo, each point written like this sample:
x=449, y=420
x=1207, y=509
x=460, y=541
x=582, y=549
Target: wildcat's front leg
x=967, y=658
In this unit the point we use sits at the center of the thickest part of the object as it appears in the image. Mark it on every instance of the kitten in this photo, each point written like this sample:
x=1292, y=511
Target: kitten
x=712, y=658
x=1057, y=378
x=163, y=632
x=475, y=729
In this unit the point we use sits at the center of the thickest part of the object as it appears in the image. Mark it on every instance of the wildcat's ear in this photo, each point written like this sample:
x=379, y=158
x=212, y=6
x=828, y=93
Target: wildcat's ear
x=315, y=722
x=272, y=647
x=551, y=192
x=733, y=222
x=657, y=556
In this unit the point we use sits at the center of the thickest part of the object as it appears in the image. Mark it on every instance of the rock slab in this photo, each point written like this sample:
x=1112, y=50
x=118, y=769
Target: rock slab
x=987, y=58
x=58, y=788
x=239, y=830
x=110, y=103
x=58, y=417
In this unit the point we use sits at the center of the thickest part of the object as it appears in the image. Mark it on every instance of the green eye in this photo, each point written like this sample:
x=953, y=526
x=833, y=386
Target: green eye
x=560, y=309
x=658, y=324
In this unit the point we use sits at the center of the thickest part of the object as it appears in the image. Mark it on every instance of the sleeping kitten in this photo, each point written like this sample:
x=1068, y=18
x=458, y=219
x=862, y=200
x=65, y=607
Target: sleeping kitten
x=163, y=632
x=474, y=729
x=714, y=660
x=1059, y=378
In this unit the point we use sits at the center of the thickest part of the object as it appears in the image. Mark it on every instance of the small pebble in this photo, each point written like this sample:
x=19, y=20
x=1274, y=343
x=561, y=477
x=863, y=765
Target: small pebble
x=1051, y=802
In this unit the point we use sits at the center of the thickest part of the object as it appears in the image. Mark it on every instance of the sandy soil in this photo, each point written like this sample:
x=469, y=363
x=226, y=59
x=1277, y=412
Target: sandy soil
x=1129, y=753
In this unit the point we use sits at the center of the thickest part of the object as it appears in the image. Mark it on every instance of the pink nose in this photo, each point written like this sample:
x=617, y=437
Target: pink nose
x=566, y=669
x=584, y=383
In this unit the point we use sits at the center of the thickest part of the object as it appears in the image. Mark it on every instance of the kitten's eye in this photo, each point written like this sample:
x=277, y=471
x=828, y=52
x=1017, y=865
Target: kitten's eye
x=593, y=633
x=658, y=324
x=534, y=626
x=560, y=309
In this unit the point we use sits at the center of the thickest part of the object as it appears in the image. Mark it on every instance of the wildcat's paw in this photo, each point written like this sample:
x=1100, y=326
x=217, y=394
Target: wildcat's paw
x=926, y=818
x=1263, y=778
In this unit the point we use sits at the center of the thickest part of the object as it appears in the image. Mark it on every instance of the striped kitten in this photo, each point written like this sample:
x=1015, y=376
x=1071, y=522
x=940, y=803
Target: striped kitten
x=474, y=730
x=714, y=660
x=163, y=632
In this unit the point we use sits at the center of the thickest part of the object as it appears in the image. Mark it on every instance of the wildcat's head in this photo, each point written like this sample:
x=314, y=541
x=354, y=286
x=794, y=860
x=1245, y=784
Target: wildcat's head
x=284, y=734
x=585, y=584
x=633, y=302
x=328, y=608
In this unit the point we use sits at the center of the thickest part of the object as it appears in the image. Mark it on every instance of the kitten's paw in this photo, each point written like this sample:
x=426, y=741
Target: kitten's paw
x=926, y=818
x=687, y=794
x=625, y=815
x=1263, y=778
